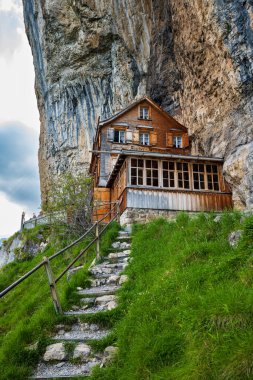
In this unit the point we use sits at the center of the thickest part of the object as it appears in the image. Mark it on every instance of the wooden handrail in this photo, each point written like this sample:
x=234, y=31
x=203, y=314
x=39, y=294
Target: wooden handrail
x=46, y=261
x=21, y=279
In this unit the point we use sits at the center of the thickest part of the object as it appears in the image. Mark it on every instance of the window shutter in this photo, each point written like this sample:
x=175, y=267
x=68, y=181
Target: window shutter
x=129, y=136
x=185, y=140
x=110, y=134
x=169, y=139
x=136, y=136
x=153, y=138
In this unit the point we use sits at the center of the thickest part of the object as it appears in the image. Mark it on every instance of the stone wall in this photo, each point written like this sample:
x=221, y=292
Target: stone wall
x=194, y=58
x=141, y=215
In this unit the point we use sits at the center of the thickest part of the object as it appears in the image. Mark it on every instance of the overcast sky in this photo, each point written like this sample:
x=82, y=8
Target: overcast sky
x=19, y=122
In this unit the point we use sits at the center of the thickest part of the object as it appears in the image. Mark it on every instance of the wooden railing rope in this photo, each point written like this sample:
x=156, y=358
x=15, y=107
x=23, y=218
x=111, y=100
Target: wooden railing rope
x=46, y=261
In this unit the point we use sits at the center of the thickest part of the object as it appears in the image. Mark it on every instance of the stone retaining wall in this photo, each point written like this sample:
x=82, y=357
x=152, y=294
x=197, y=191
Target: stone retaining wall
x=141, y=215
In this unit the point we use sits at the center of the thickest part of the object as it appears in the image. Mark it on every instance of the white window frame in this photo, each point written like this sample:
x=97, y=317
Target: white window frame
x=179, y=176
x=144, y=138
x=144, y=113
x=169, y=175
x=121, y=133
x=177, y=141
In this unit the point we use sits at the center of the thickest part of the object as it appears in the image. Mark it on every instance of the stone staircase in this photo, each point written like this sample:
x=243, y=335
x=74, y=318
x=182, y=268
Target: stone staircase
x=69, y=355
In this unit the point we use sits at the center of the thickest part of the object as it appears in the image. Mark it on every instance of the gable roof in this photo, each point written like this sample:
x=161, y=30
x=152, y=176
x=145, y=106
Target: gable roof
x=102, y=123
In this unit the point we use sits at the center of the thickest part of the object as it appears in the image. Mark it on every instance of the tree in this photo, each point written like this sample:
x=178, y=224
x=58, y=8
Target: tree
x=69, y=201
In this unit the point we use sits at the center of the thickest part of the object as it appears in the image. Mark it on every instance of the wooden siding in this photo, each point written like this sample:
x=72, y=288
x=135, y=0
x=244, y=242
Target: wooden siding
x=178, y=200
x=158, y=125
x=101, y=200
x=120, y=183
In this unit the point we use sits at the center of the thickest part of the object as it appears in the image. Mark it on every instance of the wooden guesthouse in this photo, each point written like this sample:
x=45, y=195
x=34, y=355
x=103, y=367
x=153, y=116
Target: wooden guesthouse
x=142, y=158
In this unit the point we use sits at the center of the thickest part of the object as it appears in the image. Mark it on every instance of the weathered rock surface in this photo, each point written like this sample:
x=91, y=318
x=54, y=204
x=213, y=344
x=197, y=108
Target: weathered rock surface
x=194, y=58
x=110, y=353
x=55, y=351
x=234, y=237
x=20, y=248
x=82, y=352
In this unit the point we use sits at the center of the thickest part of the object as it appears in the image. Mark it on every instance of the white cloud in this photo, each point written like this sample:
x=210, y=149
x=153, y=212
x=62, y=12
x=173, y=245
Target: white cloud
x=8, y=5
x=10, y=216
x=18, y=167
x=18, y=103
x=17, y=97
x=11, y=28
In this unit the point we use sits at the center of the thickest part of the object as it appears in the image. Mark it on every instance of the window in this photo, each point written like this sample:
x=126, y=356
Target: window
x=205, y=177
x=199, y=176
x=144, y=172
x=183, y=181
x=119, y=136
x=212, y=177
x=144, y=138
x=176, y=175
x=137, y=169
x=168, y=174
x=152, y=173
x=177, y=142
x=144, y=113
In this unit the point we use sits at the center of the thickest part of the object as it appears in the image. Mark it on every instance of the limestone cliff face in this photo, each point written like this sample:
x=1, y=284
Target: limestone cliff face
x=194, y=58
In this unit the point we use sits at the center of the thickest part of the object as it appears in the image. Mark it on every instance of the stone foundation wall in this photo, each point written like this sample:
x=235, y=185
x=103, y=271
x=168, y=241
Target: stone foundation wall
x=141, y=215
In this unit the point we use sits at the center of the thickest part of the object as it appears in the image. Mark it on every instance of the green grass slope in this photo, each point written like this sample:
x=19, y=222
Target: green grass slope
x=27, y=314
x=187, y=309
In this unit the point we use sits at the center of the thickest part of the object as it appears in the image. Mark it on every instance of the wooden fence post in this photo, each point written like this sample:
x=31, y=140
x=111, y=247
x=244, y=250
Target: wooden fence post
x=97, y=242
x=52, y=286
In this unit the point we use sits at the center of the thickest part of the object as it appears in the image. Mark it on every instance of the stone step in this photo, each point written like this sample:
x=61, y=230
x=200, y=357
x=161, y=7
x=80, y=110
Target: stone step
x=90, y=310
x=64, y=370
x=101, y=270
x=58, y=361
x=119, y=255
x=121, y=245
x=123, y=260
x=105, y=276
x=106, y=280
x=102, y=303
x=123, y=233
x=99, y=290
x=109, y=265
x=112, y=280
x=124, y=237
x=80, y=332
x=99, y=299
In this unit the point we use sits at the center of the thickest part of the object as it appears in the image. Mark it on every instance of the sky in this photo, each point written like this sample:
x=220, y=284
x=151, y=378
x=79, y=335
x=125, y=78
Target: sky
x=19, y=122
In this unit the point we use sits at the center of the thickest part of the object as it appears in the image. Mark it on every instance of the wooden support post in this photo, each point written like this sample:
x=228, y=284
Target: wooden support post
x=22, y=220
x=52, y=286
x=97, y=242
x=118, y=212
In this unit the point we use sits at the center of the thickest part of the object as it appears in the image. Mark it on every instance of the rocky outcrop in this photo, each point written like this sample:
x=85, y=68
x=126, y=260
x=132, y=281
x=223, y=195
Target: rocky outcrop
x=21, y=247
x=194, y=58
